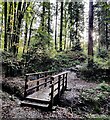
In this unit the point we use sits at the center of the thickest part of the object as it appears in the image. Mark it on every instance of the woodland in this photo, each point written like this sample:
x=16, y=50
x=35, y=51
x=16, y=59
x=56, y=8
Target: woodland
x=57, y=36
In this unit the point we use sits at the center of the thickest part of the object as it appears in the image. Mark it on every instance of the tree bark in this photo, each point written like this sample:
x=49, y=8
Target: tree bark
x=5, y=24
x=1, y=28
x=106, y=27
x=43, y=16
x=48, y=22
x=56, y=26
x=61, y=26
x=65, y=31
x=20, y=14
x=26, y=32
x=30, y=31
x=9, y=27
x=90, y=37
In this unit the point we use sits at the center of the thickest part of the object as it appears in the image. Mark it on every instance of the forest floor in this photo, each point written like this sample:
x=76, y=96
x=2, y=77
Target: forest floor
x=68, y=107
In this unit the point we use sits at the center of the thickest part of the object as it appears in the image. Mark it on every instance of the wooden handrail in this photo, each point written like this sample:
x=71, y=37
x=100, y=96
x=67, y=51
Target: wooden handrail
x=33, y=81
x=60, y=74
x=37, y=73
x=31, y=88
x=62, y=77
x=40, y=76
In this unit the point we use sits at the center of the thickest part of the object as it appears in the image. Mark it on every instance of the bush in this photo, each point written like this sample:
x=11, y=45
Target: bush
x=102, y=53
x=95, y=74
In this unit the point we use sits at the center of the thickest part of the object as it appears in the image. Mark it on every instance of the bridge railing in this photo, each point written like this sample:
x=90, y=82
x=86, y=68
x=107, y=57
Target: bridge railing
x=58, y=85
x=37, y=81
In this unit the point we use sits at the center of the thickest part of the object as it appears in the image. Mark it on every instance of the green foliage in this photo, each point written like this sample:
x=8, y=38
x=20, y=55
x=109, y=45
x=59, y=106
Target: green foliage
x=11, y=66
x=104, y=87
x=95, y=74
x=97, y=98
x=41, y=61
x=102, y=53
x=102, y=63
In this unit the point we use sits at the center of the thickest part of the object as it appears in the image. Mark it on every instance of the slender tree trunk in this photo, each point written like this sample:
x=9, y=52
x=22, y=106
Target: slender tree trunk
x=30, y=31
x=43, y=16
x=13, y=40
x=26, y=32
x=56, y=26
x=76, y=21
x=70, y=44
x=9, y=27
x=19, y=16
x=49, y=18
x=1, y=28
x=99, y=44
x=49, y=22
x=5, y=24
x=61, y=26
x=90, y=38
x=106, y=27
x=65, y=31
x=71, y=25
x=76, y=32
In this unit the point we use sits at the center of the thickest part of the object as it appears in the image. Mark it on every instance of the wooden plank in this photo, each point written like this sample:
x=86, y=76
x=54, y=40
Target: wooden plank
x=27, y=103
x=37, y=100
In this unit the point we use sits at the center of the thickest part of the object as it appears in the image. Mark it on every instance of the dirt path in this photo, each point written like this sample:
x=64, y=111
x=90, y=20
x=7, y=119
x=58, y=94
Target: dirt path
x=75, y=86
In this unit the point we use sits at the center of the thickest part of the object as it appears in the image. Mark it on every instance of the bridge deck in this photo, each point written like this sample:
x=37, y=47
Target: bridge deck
x=43, y=94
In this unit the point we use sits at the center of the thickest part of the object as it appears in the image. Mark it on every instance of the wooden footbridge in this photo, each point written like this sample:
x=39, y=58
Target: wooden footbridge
x=42, y=88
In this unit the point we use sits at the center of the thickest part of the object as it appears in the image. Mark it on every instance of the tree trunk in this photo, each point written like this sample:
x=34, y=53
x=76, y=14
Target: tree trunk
x=1, y=28
x=43, y=16
x=56, y=26
x=99, y=29
x=106, y=27
x=13, y=40
x=49, y=22
x=30, y=30
x=90, y=37
x=20, y=14
x=26, y=32
x=5, y=24
x=65, y=31
x=9, y=27
x=61, y=26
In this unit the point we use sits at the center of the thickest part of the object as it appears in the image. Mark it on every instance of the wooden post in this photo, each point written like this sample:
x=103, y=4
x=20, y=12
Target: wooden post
x=52, y=99
x=45, y=80
x=26, y=86
x=59, y=77
x=52, y=79
x=63, y=87
x=66, y=81
x=37, y=87
x=38, y=76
